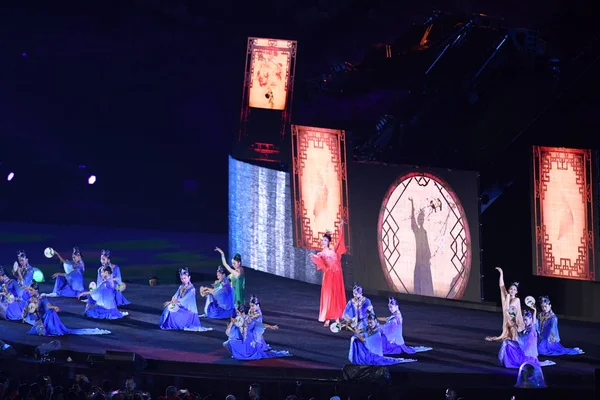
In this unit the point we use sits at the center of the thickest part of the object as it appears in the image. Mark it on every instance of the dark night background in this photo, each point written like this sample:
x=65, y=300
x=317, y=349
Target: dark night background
x=146, y=95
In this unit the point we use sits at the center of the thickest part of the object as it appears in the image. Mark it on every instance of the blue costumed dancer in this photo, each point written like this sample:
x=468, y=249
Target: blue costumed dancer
x=548, y=336
x=13, y=298
x=391, y=330
x=23, y=271
x=513, y=353
x=69, y=283
x=181, y=312
x=101, y=301
x=358, y=308
x=120, y=299
x=366, y=346
x=44, y=318
x=219, y=298
x=245, y=334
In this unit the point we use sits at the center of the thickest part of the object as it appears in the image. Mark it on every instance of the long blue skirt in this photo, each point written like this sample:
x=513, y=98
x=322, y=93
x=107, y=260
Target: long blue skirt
x=51, y=325
x=546, y=348
x=212, y=309
x=359, y=354
x=63, y=289
x=120, y=299
x=182, y=319
x=93, y=310
x=247, y=350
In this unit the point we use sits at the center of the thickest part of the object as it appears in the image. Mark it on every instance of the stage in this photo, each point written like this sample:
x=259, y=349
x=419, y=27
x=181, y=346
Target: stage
x=460, y=355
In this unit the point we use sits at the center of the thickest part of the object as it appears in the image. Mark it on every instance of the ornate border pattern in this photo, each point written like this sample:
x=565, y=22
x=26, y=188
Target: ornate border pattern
x=304, y=137
x=546, y=160
x=291, y=48
x=388, y=232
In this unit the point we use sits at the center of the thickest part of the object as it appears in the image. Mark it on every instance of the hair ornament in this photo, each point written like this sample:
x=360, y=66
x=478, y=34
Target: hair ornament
x=254, y=300
x=221, y=270
x=184, y=271
x=105, y=253
x=515, y=284
x=392, y=301
x=357, y=287
x=544, y=300
x=21, y=254
x=76, y=251
x=2, y=273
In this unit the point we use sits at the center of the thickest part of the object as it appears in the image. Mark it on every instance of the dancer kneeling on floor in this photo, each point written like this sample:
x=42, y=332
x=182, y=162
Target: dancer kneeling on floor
x=514, y=353
x=181, y=313
x=366, y=346
x=219, y=298
x=245, y=334
x=45, y=320
x=391, y=330
x=101, y=301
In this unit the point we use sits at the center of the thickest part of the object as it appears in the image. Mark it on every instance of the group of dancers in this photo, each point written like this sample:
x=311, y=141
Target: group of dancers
x=21, y=300
x=527, y=334
x=371, y=343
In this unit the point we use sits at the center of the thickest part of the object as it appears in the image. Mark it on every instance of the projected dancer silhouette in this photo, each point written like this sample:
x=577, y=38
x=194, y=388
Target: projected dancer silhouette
x=423, y=282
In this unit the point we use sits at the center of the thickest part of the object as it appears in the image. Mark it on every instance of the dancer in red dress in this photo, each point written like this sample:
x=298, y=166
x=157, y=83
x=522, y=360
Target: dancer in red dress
x=333, y=292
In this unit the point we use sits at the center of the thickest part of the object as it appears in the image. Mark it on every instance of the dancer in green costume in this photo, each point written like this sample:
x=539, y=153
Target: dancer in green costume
x=236, y=276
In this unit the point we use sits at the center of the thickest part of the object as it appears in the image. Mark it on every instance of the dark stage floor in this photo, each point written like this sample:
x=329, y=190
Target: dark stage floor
x=456, y=334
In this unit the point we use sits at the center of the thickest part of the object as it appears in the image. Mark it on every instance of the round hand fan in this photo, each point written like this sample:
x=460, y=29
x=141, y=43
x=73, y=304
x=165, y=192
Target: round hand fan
x=335, y=327
x=529, y=301
x=49, y=252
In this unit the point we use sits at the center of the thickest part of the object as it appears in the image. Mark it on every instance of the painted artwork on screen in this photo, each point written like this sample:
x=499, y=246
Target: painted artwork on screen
x=320, y=184
x=424, y=238
x=563, y=213
x=269, y=72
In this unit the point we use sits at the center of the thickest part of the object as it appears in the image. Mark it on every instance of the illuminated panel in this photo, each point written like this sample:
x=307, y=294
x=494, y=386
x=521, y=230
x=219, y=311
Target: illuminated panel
x=260, y=223
x=320, y=184
x=270, y=61
x=563, y=213
x=424, y=238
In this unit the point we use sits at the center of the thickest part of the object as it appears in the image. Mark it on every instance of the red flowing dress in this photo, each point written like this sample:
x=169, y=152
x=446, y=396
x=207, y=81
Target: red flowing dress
x=333, y=292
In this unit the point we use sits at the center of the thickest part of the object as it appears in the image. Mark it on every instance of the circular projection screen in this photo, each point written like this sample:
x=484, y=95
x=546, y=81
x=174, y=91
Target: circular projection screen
x=424, y=238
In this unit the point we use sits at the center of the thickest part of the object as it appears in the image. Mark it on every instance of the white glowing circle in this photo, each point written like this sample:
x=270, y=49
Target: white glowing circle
x=426, y=251
x=92, y=179
x=10, y=176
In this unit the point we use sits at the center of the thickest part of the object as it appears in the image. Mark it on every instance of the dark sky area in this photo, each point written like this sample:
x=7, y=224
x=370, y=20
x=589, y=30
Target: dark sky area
x=147, y=93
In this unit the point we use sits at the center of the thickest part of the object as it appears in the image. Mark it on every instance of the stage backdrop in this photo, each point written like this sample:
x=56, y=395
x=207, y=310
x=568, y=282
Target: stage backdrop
x=416, y=230
x=563, y=213
x=387, y=247
x=260, y=222
x=320, y=185
x=271, y=62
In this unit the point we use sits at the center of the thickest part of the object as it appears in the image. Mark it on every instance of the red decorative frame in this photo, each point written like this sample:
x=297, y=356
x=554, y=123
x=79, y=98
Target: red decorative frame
x=386, y=226
x=546, y=160
x=303, y=138
x=287, y=46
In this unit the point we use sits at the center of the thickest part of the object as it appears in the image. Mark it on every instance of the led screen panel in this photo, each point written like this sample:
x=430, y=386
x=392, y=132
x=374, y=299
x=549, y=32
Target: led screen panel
x=563, y=205
x=416, y=230
x=261, y=222
x=270, y=63
x=320, y=184
x=424, y=238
